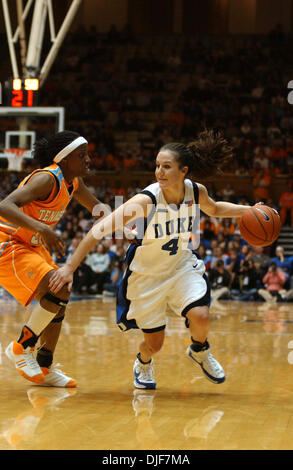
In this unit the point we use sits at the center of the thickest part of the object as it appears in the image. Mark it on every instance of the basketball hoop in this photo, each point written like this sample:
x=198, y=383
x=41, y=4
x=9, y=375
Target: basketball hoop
x=15, y=157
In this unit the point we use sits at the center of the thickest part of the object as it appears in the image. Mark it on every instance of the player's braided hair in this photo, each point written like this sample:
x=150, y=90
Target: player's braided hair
x=204, y=156
x=46, y=149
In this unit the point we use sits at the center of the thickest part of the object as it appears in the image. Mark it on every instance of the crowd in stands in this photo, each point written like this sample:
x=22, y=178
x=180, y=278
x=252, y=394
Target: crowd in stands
x=136, y=93
x=130, y=94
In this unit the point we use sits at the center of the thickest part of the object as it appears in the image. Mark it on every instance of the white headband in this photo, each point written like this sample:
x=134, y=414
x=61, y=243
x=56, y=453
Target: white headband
x=69, y=148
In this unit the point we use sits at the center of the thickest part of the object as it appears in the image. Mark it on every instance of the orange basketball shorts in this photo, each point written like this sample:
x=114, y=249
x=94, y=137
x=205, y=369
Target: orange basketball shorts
x=22, y=268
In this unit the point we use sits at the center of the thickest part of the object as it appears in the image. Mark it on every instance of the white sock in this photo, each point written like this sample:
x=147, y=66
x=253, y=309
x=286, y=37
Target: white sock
x=39, y=319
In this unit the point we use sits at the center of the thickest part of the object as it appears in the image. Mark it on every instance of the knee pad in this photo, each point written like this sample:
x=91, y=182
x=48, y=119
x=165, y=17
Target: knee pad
x=58, y=319
x=55, y=300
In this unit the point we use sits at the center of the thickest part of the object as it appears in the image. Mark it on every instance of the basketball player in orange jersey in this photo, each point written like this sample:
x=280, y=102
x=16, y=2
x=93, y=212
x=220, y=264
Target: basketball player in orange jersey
x=26, y=237
x=162, y=267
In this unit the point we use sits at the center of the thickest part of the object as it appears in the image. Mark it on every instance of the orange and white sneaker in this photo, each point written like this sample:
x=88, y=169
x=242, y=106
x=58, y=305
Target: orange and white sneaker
x=25, y=362
x=56, y=378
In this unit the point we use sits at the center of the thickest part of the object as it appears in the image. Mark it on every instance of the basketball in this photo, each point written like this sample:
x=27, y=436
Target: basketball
x=260, y=225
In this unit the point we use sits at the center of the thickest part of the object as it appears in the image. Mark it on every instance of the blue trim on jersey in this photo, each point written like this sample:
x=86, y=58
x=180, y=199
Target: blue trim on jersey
x=151, y=195
x=9, y=225
x=58, y=175
x=6, y=243
x=195, y=192
x=122, y=305
x=196, y=254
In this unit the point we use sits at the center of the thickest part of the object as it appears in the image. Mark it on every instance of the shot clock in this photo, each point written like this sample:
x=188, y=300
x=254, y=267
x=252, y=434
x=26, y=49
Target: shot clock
x=23, y=92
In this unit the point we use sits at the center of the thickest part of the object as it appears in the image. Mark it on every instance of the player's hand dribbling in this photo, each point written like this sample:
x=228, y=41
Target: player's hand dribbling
x=61, y=277
x=52, y=241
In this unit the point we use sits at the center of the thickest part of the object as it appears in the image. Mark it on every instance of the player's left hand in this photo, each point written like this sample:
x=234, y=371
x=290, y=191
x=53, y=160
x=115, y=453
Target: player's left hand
x=262, y=204
x=61, y=277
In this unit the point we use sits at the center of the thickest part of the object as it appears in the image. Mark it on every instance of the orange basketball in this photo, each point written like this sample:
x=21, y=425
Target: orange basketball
x=260, y=225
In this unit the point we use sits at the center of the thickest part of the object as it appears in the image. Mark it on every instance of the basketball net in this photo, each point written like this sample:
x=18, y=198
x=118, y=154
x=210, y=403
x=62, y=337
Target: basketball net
x=15, y=157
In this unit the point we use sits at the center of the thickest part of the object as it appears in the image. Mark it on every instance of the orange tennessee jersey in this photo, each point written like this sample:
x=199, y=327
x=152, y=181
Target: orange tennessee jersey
x=48, y=211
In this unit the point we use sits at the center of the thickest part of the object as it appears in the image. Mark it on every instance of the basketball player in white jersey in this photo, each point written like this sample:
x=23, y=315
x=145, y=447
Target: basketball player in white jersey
x=162, y=267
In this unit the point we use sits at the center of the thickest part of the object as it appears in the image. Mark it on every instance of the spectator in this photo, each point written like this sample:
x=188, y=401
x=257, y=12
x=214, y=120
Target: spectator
x=227, y=194
x=99, y=263
x=273, y=131
x=81, y=277
x=117, y=189
x=220, y=279
x=261, y=158
x=261, y=184
x=240, y=241
x=226, y=227
x=257, y=91
x=233, y=264
x=262, y=150
x=246, y=251
x=221, y=240
x=234, y=260
x=218, y=254
x=273, y=281
x=206, y=255
x=248, y=282
x=282, y=262
x=83, y=222
x=286, y=205
x=208, y=233
x=129, y=161
x=278, y=155
x=110, y=288
x=260, y=259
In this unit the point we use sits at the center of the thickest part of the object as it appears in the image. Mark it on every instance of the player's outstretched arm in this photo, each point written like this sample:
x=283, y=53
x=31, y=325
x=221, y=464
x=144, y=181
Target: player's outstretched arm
x=136, y=207
x=219, y=208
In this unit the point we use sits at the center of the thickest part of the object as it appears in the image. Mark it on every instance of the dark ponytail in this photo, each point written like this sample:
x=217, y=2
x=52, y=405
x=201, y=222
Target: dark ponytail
x=204, y=156
x=45, y=150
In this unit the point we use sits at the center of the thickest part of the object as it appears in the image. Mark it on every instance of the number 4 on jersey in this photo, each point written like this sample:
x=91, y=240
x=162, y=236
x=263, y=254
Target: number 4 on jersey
x=171, y=246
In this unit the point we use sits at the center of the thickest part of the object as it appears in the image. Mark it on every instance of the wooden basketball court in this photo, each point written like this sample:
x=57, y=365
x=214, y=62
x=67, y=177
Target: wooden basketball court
x=253, y=409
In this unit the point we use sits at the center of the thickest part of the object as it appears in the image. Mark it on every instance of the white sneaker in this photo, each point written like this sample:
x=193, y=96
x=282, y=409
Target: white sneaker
x=56, y=378
x=144, y=375
x=210, y=366
x=24, y=361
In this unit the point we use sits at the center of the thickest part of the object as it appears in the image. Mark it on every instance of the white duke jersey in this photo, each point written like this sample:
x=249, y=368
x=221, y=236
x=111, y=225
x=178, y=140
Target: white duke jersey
x=164, y=237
